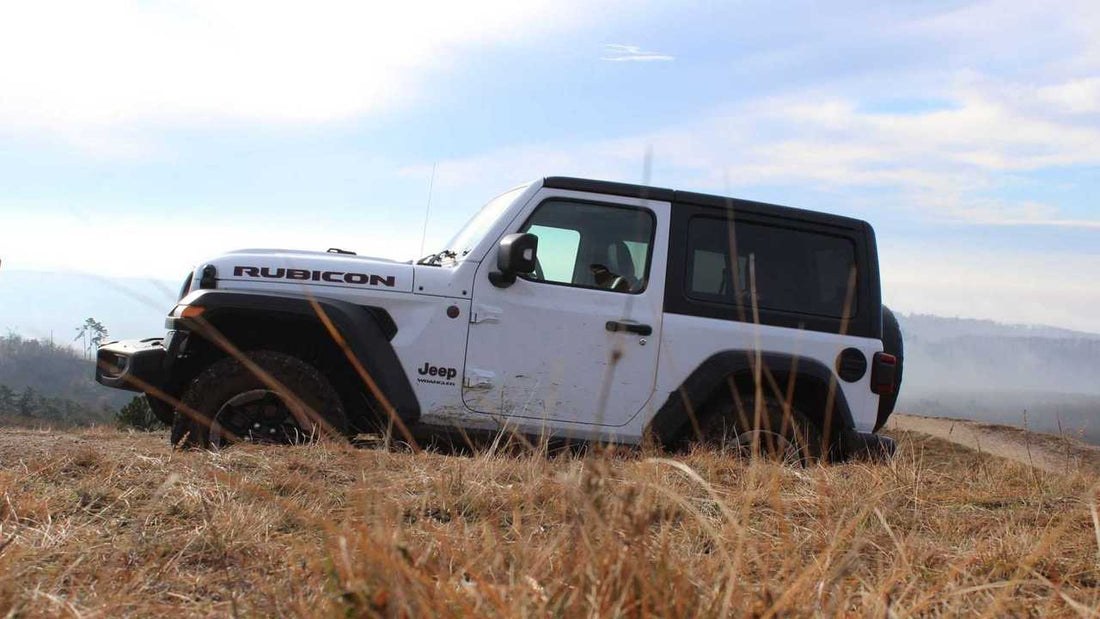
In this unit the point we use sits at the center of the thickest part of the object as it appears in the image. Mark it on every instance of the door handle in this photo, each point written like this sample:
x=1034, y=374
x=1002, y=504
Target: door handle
x=629, y=327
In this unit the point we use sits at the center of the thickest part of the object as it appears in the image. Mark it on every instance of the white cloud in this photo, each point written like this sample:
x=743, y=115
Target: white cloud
x=943, y=162
x=157, y=245
x=1052, y=288
x=1076, y=97
x=632, y=53
x=1086, y=224
x=83, y=68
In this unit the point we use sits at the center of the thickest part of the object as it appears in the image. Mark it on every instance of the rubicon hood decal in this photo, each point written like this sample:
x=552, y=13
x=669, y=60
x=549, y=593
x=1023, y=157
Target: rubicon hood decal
x=265, y=267
x=346, y=277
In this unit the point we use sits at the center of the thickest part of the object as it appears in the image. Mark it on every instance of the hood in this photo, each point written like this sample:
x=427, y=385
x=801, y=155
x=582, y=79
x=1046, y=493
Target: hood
x=314, y=268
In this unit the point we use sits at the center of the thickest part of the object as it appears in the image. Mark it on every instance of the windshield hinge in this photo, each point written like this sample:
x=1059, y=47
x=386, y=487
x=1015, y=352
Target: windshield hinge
x=485, y=313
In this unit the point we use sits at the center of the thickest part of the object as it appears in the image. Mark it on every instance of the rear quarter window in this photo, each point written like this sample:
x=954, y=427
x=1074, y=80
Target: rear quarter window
x=795, y=271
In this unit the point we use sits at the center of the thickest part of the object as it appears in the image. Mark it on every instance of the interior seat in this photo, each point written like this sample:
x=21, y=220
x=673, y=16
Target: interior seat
x=622, y=264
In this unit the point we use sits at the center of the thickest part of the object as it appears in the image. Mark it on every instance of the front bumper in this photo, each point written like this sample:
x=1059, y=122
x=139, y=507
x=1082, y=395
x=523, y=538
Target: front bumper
x=133, y=365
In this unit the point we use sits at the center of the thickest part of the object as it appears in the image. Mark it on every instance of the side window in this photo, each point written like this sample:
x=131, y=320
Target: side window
x=795, y=270
x=558, y=249
x=592, y=245
x=711, y=273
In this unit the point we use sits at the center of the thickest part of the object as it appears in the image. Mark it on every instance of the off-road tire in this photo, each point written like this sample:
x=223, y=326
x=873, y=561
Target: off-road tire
x=162, y=410
x=730, y=423
x=891, y=343
x=229, y=377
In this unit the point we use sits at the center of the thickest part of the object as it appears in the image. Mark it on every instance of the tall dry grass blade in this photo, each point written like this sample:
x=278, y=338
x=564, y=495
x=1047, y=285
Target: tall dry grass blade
x=364, y=375
x=1030, y=461
x=1081, y=609
x=1095, y=529
x=618, y=348
x=893, y=538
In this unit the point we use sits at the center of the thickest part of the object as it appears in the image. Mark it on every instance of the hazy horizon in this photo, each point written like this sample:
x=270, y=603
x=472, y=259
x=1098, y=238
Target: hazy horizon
x=145, y=300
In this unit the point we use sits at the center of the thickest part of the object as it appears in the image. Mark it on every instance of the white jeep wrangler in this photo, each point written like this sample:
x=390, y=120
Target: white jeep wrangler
x=566, y=308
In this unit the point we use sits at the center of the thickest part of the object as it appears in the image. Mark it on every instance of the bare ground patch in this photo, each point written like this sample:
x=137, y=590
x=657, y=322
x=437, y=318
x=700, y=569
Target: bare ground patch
x=1055, y=454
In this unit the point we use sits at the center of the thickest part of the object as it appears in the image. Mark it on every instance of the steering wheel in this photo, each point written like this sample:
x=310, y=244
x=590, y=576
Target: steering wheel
x=609, y=280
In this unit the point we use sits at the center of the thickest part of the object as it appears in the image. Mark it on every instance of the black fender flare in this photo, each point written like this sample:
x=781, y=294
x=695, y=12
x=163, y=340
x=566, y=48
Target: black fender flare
x=366, y=330
x=709, y=378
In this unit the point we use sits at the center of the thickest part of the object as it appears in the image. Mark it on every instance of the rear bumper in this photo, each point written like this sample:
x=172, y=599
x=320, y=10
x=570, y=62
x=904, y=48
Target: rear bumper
x=133, y=365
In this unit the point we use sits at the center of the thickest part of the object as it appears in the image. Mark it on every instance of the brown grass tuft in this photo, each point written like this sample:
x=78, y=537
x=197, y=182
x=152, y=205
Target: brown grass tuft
x=105, y=523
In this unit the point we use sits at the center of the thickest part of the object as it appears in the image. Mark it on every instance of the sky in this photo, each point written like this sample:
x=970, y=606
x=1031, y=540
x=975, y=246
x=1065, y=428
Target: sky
x=139, y=138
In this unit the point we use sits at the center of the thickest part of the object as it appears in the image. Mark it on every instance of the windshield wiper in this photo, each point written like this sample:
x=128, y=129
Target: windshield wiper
x=436, y=259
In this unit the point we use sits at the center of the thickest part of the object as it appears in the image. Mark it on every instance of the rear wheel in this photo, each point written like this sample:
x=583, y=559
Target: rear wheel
x=769, y=430
x=228, y=403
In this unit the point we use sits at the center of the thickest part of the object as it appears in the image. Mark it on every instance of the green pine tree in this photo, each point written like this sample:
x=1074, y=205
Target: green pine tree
x=27, y=405
x=7, y=400
x=138, y=415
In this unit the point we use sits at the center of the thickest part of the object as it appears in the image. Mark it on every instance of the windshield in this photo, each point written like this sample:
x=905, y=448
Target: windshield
x=479, y=224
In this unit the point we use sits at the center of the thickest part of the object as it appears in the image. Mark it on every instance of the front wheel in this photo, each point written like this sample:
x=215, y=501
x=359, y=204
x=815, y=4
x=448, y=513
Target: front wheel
x=232, y=402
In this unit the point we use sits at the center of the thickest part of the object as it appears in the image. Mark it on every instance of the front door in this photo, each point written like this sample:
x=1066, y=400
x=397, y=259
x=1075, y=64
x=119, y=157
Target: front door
x=576, y=341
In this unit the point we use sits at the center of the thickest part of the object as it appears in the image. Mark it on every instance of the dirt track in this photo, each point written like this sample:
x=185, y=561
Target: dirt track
x=1044, y=451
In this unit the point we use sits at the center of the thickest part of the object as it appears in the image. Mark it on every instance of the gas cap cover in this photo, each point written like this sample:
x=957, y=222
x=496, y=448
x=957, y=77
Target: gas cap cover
x=851, y=365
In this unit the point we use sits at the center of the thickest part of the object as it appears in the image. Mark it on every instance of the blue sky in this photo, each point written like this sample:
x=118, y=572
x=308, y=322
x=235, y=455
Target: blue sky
x=137, y=138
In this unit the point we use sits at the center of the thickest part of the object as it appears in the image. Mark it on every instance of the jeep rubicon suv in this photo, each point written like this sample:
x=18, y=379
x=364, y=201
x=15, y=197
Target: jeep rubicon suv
x=566, y=307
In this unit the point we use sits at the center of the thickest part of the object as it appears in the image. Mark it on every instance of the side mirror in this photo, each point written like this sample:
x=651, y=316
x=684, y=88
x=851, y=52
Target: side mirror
x=516, y=255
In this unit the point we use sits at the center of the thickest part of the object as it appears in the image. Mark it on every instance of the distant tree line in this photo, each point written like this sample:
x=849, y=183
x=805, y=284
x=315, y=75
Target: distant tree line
x=46, y=384
x=33, y=407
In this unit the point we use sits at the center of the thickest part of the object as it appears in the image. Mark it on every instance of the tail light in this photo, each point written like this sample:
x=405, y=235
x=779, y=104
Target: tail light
x=883, y=369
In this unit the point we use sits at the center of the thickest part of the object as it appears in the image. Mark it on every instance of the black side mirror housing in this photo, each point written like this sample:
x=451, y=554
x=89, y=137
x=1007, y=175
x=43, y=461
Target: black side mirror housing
x=517, y=254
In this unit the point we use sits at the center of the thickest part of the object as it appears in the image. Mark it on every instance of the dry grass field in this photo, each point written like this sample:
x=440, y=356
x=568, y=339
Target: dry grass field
x=101, y=523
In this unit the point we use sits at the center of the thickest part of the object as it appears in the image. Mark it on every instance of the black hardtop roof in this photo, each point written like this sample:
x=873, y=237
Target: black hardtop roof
x=698, y=199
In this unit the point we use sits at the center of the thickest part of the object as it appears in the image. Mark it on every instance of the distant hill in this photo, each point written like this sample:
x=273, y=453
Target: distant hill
x=929, y=327
x=983, y=370
x=42, y=382
x=944, y=353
